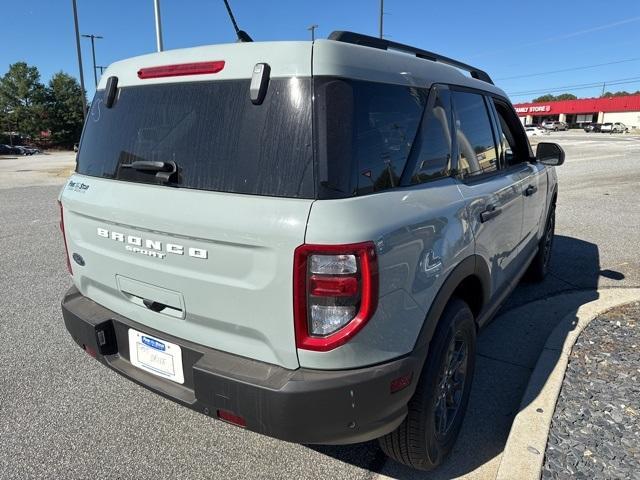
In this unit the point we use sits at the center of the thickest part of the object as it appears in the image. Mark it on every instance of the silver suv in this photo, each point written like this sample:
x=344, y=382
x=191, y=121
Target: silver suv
x=555, y=125
x=302, y=239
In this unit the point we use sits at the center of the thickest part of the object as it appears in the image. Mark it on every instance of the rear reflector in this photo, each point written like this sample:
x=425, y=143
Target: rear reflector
x=90, y=351
x=401, y=383
x=227, y=416
x=198, y=68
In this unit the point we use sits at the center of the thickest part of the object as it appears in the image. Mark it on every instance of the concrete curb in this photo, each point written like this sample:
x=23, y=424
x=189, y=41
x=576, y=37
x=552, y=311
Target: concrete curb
x=524, y=451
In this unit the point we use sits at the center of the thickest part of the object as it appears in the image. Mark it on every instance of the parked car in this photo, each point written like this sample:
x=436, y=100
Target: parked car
x=535, y=131
x=611, y=127
x=555, y=126
x=619, y=127
x=10, y=150
x=26, y=150
x=314, y=264
x=592, y=127
x=5, y=150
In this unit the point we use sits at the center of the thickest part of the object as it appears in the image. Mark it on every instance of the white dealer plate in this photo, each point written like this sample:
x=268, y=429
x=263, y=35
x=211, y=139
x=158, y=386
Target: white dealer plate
x=156, y=356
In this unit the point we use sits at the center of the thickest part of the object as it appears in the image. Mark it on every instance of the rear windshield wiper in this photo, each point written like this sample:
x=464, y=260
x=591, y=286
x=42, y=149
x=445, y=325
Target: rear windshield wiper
x=164, y=170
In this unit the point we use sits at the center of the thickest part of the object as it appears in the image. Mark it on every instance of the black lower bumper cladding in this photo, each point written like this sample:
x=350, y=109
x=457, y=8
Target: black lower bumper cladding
x=302, y=406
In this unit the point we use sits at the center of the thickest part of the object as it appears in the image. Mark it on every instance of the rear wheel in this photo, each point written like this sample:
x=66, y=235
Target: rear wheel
x=540, y=263
x=437, y=408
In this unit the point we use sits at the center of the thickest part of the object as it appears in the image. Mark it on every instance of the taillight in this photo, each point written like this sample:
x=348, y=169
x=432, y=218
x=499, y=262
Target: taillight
x=335, y=293
x=64, y=237
x=179, y=69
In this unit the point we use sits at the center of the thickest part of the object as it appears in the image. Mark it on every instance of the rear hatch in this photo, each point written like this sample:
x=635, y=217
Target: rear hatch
x=210, y=246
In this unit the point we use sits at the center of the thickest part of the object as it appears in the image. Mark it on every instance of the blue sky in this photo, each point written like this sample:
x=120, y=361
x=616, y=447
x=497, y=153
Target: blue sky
x=508, y=38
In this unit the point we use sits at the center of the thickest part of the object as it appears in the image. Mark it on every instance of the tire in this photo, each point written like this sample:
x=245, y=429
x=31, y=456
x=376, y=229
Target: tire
x=540, y=263
x=426, y=436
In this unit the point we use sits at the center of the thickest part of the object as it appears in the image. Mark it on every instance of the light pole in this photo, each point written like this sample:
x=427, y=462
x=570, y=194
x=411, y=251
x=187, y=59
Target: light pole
x=156, y=9
x=381, y=16
x=93, y=53
x=312, y=29
x=75, y=22
x=10, y=112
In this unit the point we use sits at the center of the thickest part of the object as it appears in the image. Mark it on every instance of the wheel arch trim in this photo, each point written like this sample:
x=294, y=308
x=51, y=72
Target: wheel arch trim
x=472, y=266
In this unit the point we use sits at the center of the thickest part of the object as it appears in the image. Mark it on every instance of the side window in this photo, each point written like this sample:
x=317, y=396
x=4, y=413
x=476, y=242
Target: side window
x=433, y=144
x=477, y=152
x=386, y=122
x=512, y=149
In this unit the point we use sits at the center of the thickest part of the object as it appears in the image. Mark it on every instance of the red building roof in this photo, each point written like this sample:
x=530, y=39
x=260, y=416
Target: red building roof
x=629, y=103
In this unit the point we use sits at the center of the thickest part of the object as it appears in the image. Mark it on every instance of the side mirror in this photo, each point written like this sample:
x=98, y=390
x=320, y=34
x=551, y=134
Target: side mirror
x=550, y=154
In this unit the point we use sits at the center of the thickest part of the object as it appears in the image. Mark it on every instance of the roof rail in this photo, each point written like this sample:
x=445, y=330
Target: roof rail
x=374, y=42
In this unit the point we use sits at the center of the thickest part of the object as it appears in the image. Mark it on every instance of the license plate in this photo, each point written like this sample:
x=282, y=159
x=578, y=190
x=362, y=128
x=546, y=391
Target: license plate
x=156, y=356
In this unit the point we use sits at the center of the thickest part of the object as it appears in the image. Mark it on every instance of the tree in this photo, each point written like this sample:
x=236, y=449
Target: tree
x=21, y=99
x=566, y=96
x=544, y=98
x=552, y=98
x=622, y=93
x=64, y=110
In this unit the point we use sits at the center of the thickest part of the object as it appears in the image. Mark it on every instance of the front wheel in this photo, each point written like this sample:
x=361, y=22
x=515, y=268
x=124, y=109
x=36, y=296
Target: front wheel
x=436, y=410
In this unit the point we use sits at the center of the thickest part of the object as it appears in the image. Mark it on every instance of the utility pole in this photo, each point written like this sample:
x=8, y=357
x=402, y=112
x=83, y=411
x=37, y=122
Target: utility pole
x=381, y=16
x=101, y=68
x=156, y=8
x=93, y=53
x=75, y=22
x=603, y=85
x=312, y=29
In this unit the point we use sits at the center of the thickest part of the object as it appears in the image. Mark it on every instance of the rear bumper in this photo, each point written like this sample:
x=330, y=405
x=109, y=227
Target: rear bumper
x=302, y=406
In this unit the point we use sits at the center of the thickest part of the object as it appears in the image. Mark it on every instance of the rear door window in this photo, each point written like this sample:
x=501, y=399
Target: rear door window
x=477, y=152
x=219, y=140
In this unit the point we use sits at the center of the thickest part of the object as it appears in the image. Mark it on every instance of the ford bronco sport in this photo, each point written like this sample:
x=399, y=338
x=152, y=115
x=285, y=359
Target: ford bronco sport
x=303, y=238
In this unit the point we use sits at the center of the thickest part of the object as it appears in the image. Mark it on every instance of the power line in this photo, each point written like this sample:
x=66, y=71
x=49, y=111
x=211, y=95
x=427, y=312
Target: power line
x=577, y=85
x=585, y=67
x=561, y=37
x=595, y=85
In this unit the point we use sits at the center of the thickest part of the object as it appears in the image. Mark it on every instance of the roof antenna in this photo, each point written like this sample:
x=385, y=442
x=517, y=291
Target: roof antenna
x=241, y=34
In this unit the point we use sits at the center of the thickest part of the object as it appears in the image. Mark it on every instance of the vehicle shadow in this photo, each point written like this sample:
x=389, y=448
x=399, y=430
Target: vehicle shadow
x=508, y=349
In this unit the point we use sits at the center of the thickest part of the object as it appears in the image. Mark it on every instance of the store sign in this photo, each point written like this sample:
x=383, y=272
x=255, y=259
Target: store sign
x=534, y=109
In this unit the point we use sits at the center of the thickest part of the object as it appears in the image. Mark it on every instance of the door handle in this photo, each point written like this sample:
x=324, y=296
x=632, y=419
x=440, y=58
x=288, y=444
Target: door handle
x=530, y=190
x=489, y=213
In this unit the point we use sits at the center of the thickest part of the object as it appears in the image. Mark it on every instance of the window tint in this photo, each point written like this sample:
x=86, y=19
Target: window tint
x=365, y=133
x=432, y=148
x=218, y=139
x=476, y=147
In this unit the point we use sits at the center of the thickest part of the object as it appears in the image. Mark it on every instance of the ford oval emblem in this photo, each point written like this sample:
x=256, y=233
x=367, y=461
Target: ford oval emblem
x=78, y=259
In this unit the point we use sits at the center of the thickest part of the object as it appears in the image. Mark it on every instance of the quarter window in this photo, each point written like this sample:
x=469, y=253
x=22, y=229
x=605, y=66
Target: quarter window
x=433, y=145
x=387, y=118
x=476, y=147
x=365, y=133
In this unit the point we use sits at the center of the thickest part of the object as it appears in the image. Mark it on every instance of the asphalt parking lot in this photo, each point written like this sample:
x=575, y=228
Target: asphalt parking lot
x=63, y=415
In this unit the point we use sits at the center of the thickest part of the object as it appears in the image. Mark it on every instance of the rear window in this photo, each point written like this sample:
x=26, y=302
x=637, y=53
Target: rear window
x=219, y=140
